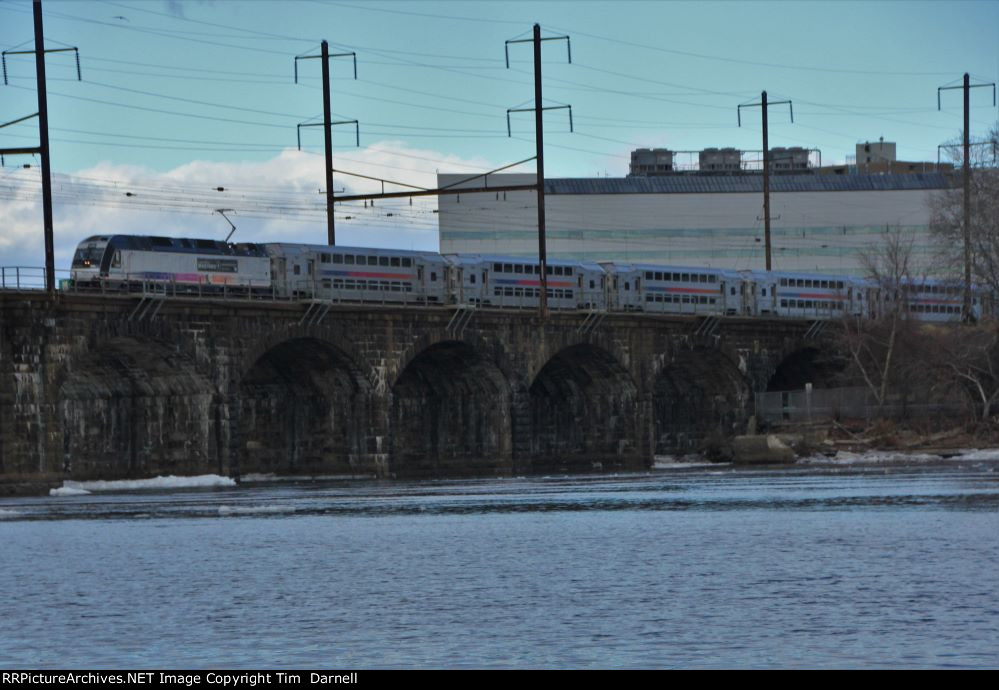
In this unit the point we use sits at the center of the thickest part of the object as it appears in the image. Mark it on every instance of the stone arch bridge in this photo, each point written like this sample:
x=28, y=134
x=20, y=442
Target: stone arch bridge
x=102, y=386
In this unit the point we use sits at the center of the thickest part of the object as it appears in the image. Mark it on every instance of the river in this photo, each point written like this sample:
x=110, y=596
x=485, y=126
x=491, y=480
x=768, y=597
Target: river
x=876, y=565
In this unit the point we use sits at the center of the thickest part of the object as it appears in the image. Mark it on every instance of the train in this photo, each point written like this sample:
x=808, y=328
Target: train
x=368, y=275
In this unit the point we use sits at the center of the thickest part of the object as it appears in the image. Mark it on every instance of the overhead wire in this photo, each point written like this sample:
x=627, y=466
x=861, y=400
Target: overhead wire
x=415, y=130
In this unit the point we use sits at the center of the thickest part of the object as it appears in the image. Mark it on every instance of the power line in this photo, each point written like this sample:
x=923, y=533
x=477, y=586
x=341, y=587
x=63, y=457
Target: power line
x=755, y=63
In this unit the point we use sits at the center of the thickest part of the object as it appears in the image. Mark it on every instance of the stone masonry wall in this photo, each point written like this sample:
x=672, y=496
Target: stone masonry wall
x=89, y=389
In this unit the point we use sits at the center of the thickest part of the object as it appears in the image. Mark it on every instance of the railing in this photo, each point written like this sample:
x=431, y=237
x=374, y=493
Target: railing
x=823, y=404
x=22, y=278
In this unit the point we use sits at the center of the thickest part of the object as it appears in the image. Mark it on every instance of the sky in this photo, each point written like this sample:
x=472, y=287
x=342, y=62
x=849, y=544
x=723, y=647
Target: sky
x=181, y=98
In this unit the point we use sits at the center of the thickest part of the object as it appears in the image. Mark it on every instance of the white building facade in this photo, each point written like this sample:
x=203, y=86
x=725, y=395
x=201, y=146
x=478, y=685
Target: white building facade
x=819, y=223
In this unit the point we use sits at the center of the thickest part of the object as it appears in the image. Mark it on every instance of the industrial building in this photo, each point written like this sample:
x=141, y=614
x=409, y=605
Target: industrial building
x=822, y=219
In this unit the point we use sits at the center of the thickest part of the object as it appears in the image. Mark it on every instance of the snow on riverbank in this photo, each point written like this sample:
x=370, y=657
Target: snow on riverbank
x=71, y=488
x=672, y=462
x=894, y=457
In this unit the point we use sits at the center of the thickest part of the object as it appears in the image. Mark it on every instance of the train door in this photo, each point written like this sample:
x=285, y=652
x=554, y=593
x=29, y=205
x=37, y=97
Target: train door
x=729, y=298
x=121, y=263
x=279, y=274
x=748, y=297
x=431, y=280
x=456, y=284
x=768, y=298
x=420, y=284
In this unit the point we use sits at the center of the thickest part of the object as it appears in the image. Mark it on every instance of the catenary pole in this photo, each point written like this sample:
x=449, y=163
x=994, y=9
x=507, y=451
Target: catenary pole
x=43, y=140
x=540, y=154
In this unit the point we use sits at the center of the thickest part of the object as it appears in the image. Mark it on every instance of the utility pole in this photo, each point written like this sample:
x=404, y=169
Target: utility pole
x=766, y=166
x=540, y=153
x=966, y=313
x=43, y=143
x=539, y=139
x=43, y=135
x=328, y=141
x=327, y=128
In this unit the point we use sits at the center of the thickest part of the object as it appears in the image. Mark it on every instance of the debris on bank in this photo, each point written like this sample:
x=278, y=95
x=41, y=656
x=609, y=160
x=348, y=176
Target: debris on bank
x=864, y=442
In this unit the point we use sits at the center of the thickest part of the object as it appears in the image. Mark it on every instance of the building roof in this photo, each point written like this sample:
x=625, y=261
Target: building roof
x=714, y=184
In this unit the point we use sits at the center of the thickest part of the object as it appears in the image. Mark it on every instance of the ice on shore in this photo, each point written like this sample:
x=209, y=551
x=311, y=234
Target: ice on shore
x=673, y=462
x=67, y=489
x=976, y=454
x=255, y=510
x=71, y=488
x=891, y=457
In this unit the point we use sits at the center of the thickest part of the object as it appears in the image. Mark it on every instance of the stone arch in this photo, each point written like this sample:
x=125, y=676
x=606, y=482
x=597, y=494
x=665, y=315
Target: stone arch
x=699, y=394
x=450, y=413
x=304, y=407
x=584, y=412
x=601, y=341
x=109, y=333
x=807, y=363
x=133, y=407
x=335, y=338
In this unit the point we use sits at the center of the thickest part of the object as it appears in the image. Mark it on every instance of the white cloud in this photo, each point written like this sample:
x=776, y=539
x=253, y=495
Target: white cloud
x=274, y=200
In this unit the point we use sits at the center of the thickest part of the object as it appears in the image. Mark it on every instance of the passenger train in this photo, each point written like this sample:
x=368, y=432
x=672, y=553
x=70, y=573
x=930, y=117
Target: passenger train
x=356, y=274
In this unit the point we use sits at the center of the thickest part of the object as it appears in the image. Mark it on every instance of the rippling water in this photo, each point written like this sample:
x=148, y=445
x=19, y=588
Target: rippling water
x=705, y=566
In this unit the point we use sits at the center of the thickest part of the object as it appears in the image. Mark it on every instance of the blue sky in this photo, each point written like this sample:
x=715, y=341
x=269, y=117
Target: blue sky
x=181, y=97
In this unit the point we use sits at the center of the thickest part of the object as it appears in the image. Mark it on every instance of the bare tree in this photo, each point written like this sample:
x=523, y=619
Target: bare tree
x=947, y=215
x=874, y=344
x=969, y=357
